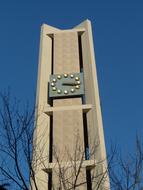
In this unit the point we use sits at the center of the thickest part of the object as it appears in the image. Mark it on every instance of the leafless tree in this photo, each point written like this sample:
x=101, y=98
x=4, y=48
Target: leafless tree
x=16, y=133
x=16, y=147
x=126, y=172
x=78, y=171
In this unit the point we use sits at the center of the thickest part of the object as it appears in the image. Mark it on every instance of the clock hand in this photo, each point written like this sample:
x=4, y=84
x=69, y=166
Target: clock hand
x=69, y=84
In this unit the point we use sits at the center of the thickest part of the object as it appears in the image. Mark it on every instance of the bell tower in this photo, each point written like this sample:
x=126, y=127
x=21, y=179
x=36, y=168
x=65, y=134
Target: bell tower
x=69, y=149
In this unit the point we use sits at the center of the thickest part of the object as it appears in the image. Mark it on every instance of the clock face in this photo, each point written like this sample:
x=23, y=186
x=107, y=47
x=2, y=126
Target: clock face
x=63, y=85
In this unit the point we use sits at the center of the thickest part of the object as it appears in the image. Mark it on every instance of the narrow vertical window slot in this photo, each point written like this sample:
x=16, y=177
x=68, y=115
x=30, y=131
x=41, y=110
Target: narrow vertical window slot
x=51, y=104
x=50, y=181
x=52, y=56
x=85, y=125
x=87, y=151
x=80, y=52
x=81, y=60
x=51, y=120
x=50, y=101
x=50, y=152
x=51, y=139
x=88, y=179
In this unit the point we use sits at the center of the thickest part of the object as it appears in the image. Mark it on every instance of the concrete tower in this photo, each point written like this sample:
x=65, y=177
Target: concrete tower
x=69, y=149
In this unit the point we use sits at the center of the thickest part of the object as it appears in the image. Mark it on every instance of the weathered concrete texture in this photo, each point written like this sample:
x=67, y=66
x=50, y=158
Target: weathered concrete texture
x=60, y=48
x=67, y=125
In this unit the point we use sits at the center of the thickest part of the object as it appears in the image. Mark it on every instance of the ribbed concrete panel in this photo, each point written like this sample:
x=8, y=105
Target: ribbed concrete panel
x=67, y=125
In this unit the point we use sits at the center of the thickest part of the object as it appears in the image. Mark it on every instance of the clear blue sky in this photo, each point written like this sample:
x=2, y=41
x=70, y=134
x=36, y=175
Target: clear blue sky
x=118, y=37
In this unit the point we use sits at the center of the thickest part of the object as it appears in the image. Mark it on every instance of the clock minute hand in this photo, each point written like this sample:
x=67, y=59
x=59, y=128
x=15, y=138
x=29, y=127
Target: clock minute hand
x=69, y=84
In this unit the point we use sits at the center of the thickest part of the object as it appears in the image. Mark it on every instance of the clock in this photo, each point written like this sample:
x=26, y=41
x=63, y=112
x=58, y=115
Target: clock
x=66, y=85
